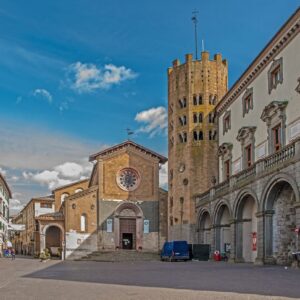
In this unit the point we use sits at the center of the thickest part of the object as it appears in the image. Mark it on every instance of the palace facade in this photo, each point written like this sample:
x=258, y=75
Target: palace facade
x=253, y=211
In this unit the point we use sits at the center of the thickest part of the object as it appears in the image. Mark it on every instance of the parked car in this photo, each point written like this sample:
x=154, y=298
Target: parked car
x=176, y=250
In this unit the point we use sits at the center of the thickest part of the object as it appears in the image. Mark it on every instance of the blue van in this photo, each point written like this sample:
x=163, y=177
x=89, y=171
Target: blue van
x=176, y=250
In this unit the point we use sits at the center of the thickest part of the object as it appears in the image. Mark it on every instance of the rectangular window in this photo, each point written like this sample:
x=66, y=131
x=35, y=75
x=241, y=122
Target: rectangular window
x=277, y=137
x=248, y=155
x=46, y=205
x=227, y=169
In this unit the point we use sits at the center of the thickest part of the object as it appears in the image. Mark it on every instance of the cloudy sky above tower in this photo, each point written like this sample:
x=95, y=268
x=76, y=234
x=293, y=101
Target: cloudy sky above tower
x=74, y=75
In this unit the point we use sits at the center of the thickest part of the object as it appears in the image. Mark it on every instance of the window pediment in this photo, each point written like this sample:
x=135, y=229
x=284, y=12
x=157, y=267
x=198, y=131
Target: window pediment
x=245, y=132
x=271, y=109
x=224, y=149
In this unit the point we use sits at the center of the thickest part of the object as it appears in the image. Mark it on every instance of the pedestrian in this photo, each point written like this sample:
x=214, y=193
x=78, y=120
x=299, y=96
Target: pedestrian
x=13, y=254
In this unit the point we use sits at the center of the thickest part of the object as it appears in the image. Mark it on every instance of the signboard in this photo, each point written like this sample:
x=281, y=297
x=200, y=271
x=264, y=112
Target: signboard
x=146, y=226
x=109, y=225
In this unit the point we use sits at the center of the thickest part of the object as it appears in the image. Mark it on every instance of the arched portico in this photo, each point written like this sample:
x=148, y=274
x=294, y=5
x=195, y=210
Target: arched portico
x=279, y=219
x=204, y=227
x=246, y=227
x=128, y=224
x=222, y=221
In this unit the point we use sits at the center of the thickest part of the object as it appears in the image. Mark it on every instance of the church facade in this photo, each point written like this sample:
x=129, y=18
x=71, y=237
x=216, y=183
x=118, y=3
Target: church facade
x=120, y=206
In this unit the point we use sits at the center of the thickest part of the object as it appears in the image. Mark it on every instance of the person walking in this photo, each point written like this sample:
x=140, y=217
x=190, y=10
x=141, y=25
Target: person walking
x=13, y=254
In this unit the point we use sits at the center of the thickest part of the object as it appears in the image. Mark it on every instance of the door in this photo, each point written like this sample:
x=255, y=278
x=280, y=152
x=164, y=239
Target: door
x=127, y=233
x=127, y=241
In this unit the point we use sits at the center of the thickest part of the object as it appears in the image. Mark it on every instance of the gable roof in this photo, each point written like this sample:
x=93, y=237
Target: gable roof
x=128, y=144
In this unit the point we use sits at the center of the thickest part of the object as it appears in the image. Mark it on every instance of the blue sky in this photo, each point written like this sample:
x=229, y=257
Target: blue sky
x=75, y=74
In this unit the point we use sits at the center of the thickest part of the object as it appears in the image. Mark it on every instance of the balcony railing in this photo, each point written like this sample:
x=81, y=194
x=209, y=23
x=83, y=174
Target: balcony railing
x=264, y=165
x=284, y=154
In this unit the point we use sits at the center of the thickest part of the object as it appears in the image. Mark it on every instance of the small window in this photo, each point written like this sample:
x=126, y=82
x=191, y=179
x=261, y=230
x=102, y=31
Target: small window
x=226, y=122
x=195, y=118
x=182, y=120
x=227, y=168
x=275, y=74
x=247, y=101
x=46, y=205
x=83, y=223
x=212, y=135
x=277, y=137
x=200, y=100
x=198, y=135
x=211, y=118
x=182, y=103
x=182, y=137
x=195, y=100
x=248, y=155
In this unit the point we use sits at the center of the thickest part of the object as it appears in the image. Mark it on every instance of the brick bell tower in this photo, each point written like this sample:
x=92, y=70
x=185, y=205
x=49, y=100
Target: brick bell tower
x=194, y=89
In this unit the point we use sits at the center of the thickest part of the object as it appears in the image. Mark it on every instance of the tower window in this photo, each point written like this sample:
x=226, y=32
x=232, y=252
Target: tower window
x=198, y=135
x=211, y=118
x=182, y=103
x=182, y=120
x=182, y=137
x=212, y=135
x=212, y=99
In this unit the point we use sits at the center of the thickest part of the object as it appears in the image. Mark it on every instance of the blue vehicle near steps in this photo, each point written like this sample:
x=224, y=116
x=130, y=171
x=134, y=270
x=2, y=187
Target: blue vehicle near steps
x=175, y=250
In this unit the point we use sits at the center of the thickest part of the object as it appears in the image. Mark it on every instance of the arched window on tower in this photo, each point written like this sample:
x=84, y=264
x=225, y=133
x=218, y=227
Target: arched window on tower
x=200, y=101
x=200, y=117
x=83, y=223
x=195, y=118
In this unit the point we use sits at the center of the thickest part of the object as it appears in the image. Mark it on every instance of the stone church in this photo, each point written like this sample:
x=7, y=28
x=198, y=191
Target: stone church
x=120, y=206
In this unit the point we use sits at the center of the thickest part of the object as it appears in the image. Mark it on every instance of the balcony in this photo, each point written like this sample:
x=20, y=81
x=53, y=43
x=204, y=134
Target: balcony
x=288, y=154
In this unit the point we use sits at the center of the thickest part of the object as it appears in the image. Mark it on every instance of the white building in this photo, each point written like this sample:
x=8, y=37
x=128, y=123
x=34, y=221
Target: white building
x=5, y=195
x=255, y=208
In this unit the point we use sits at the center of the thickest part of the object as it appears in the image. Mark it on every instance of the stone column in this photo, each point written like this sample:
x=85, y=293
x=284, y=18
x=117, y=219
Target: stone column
x=232, y=242
x=268, y=237
x=139, y=233
x=239, y=241
x=213, y=242
x=117, y=231
x=260, y=239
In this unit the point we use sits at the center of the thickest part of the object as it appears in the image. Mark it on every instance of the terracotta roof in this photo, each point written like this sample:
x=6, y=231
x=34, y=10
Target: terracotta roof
x=128, y=143
x=52, y=216
x=6, y=185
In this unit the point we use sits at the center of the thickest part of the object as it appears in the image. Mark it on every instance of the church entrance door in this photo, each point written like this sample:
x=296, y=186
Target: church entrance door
x=127, y=233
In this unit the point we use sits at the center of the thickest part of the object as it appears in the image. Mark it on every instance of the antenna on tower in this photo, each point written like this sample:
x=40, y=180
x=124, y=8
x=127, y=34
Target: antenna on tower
x=202, y=45
x=195, y=21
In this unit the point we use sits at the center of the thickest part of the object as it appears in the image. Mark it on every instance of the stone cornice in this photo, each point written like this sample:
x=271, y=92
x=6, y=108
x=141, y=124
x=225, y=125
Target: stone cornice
x=281, y=39
x=82, y=193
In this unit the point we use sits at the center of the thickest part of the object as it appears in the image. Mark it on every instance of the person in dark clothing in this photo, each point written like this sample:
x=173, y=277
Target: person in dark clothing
x=13, y=254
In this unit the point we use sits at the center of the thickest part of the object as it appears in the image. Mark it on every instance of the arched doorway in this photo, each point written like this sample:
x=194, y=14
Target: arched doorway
x=223, y=231
x=204, y=228
x=52, y=240
x=279, y=238
x=246, y=229
x=128, y=222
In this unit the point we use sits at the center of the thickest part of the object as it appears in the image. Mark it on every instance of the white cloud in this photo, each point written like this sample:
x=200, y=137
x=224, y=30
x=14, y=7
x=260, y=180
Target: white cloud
x=2, y=171
x=60, y=175
x=163, y=176
x=88, y=77
x=15, y=204
x=156, y=120
x=43, y=94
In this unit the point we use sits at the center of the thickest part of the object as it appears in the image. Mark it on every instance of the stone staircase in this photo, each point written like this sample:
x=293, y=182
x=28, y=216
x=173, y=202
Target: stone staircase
x=121, y=256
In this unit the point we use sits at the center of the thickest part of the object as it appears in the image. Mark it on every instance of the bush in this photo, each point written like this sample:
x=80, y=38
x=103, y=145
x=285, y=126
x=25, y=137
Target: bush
x=45, y=254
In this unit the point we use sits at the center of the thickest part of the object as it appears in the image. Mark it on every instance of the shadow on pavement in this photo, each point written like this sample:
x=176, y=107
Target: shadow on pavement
x=206, y=276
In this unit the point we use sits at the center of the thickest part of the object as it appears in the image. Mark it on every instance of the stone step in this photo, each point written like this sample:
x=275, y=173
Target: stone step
x=121, y=255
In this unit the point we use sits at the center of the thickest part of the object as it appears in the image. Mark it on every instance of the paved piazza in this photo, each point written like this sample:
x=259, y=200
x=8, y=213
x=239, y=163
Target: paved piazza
x=26, y=278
